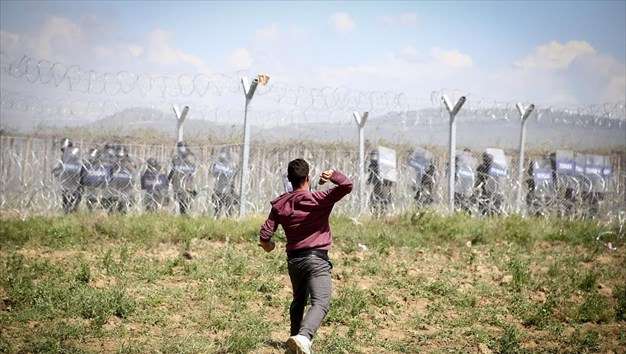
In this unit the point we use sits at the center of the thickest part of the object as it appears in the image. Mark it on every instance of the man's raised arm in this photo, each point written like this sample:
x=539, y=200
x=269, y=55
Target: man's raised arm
x=333, y=195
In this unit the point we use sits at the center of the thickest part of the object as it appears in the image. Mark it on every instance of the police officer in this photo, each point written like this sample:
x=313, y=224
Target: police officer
x=541, y=190
x=564, y=177
x=121, y=178
x=381, y=188
x=68, y=172
x=181, y=177
x=422, y=162
x=596, y=184
x=93, y=178
x=487, y=181
x=464, y=181
x=156, y=186
x=224, y=195
x=108, y=161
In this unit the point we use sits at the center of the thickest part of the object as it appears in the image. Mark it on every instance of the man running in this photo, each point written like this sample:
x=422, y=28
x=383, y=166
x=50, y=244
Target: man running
x=304, y=217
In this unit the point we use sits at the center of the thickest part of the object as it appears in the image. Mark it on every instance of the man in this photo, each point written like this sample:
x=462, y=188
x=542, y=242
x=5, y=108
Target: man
x=464, y=180
x=155, y=185
x=224, y=196
x=122, y=176
x=93, y=178
x=490, y=177
x=304, y=217
x=181, y=177
x=381, y=191
x=109, y=159
x=67, y=171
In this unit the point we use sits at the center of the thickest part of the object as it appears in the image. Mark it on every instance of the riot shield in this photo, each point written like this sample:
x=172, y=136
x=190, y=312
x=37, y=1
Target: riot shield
x=594, y=170
x=542, y=177
x=223, y=172
x=94, y=175
x=563, y=165
x=69, y=170
x=497, y=171
x=387, y=164
x=465, y=175
x=607, y=173
x=420, y=160
x=582, y=181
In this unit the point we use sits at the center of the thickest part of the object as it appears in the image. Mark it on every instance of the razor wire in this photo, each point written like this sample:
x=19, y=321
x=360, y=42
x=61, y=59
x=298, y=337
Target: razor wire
x=187, y=86
x=28, y=185
x=73, y=78
x=610, y=115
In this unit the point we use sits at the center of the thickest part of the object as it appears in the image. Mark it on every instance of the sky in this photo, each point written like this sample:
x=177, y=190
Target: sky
x=562, y=52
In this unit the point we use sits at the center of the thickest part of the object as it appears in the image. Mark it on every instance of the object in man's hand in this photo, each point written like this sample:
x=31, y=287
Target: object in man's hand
x=325, y=176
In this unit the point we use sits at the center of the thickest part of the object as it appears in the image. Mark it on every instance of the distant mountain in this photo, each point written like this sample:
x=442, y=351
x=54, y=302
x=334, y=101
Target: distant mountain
x=473, y=134
x=425, y=127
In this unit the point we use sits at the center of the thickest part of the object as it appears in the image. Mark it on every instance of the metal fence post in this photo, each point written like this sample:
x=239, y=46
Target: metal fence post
x=452, y=145
x=248, y=91
x=524, y=114
x=180, y=119
x=361, y=119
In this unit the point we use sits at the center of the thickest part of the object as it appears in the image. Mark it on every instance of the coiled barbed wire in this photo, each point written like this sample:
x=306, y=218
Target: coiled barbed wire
x=74, y=78
x=28, y=186
x=604, y=116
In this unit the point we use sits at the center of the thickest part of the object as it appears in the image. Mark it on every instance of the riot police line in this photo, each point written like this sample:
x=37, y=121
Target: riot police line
x=106, y=178
x=562, y=183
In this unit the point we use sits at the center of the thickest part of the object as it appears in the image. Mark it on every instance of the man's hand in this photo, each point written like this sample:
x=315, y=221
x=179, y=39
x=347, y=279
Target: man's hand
x=268, y=246
x=325, y=176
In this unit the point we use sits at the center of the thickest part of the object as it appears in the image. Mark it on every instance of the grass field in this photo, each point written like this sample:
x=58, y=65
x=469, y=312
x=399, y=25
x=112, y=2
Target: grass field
x=425, y=283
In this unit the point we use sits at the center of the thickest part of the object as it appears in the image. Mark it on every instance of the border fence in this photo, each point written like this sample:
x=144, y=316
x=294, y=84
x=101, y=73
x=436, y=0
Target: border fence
x=28, y=186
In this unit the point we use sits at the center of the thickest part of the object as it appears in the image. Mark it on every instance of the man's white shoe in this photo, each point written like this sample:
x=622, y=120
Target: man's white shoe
x=299, y=344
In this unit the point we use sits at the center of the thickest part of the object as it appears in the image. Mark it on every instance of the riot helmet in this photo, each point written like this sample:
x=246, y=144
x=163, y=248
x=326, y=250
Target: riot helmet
x=121, y=151
x=66, y=143
x=487, y=159
x=153, y=164
x=181, y=148
x=93, y=154
x=74, y=151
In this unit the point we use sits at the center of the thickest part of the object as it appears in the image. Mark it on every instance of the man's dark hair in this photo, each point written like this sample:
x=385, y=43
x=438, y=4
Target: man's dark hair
x=297, y=172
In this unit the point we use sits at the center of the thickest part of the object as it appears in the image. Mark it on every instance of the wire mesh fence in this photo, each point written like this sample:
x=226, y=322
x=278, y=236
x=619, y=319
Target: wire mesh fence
x=36, y=177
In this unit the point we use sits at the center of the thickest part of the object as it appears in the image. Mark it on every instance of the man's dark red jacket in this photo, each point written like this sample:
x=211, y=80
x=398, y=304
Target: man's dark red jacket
x=304, y=215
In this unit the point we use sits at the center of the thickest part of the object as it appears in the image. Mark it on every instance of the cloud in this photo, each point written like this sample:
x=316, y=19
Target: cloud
x=555, y=55
x=269, y=33
x=240, y=59
x=405, y=19
x=342, y=22
x=408, y=53
x=86, y=44
x=405, y=70
x=562, y=73
x=452, y=58
x=160, y=50
x=135, y=50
